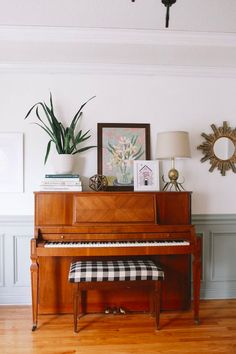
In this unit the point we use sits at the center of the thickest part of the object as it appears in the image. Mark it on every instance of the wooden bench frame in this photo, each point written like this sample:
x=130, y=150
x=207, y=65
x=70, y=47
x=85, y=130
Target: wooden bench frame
x=81, y=287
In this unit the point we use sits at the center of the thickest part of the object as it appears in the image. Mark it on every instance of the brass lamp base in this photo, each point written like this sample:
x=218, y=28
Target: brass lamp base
x=172, y=183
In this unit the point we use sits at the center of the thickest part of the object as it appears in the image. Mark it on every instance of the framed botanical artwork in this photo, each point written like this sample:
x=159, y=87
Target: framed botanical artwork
x=119, y=145
x=146, y=175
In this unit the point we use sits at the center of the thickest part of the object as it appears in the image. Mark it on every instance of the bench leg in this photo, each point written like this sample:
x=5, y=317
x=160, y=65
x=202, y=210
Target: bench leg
x=157, y=302
x=77, y=299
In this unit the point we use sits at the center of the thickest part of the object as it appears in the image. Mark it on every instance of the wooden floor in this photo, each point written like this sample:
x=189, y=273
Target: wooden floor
x=121, y=334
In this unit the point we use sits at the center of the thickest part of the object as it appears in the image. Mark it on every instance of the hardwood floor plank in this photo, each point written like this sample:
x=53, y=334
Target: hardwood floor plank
x=121, y=334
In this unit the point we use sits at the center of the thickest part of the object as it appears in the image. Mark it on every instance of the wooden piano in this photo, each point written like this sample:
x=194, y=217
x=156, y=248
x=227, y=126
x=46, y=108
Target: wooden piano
x=78, y=225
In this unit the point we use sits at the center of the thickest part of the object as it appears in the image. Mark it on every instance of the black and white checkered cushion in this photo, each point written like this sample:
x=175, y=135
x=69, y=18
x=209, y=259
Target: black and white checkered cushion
x=116, y=270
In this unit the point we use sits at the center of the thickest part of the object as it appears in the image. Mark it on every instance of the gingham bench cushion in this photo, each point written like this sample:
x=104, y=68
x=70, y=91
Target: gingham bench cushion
x=117, y=270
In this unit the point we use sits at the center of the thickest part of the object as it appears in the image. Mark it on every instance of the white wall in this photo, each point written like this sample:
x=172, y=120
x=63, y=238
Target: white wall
x=167, y=102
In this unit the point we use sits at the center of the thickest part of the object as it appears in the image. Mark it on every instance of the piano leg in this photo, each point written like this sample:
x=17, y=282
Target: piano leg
x=197, y=280
x=34, y=269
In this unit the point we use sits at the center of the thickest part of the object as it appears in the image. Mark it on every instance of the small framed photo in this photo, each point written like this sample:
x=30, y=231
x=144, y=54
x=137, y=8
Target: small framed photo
x=146, y=175
x=119, y=145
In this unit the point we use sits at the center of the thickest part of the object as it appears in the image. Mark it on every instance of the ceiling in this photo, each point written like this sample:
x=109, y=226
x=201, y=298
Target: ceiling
x=201, y=32
x=185, y=15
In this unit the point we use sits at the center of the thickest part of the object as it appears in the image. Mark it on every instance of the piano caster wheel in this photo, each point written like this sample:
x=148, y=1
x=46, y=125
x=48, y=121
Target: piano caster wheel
x=34, y=328
x=197, y=321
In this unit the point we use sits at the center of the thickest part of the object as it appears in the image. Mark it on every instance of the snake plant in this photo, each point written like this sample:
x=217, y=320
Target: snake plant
x=66, y=138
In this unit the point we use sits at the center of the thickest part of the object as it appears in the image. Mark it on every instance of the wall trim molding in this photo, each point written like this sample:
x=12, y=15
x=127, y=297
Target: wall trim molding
x=196, y=218
x=204, y=219
x=218, y=292
x=14, y=220
x=115, y=69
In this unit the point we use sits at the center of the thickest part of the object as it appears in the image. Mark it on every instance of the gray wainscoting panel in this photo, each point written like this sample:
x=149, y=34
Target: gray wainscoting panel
x=1, y=261
x=15, y=235
x=218, y=233
x=21, y=259
x=219, y=250
x=223, y=256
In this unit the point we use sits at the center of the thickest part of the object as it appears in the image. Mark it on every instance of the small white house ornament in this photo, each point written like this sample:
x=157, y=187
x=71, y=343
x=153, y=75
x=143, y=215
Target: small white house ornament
x=146, y=175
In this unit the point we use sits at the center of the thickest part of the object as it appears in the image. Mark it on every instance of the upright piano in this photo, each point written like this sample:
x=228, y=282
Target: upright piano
x=82, y=225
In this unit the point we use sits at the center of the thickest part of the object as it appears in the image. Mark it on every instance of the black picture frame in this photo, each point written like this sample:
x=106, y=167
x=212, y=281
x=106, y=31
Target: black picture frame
x=119, y=144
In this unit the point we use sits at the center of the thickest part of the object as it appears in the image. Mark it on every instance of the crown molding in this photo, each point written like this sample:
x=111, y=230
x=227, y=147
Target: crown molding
x=172, y=40
x=116, y=69
x=128, y=51
x=124, y=36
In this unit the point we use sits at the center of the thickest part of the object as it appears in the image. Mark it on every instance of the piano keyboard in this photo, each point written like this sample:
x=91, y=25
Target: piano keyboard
x=94, y=244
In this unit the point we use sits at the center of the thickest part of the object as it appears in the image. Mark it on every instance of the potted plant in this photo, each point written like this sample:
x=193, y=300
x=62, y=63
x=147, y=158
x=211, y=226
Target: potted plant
x=67, y=139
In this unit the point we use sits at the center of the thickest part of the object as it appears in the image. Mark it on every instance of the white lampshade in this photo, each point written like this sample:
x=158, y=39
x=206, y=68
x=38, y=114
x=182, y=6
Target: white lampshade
x=173, y=144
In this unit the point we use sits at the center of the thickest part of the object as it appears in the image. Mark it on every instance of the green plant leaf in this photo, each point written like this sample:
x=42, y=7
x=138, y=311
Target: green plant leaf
x=84, y=149
x=45, y=126
x=47, y=151
x=51, y=103
x=80, y=109
x=45, y=129
x=82, y=137
x=65, y=138
x=75, y=121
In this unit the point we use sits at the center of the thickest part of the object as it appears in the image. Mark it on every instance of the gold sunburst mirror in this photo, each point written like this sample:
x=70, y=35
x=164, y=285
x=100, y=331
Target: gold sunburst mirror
x=220, y=148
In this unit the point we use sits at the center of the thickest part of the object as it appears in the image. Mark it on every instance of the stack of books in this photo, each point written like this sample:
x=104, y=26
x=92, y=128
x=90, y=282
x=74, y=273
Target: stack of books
x=61, y=182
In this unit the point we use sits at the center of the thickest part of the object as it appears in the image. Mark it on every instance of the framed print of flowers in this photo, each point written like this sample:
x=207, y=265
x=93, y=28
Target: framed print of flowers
x=119, y=144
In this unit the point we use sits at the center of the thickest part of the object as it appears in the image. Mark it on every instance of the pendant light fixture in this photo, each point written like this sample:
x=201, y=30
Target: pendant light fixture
x=168, y=4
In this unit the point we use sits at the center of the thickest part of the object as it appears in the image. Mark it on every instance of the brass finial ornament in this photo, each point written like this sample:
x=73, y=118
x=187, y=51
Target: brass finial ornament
x=220, y=148
x=173, y=182
x=173, y=145
x=168, y=4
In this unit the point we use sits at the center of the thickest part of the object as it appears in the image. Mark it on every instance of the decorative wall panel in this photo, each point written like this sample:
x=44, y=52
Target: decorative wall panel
x=219, y=261
x=21, y=259
x=218, y=252
x=223, y=248
x=1, y=260
x=15, y=235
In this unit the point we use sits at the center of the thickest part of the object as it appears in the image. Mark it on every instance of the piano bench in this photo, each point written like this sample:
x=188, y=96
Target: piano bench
x=127, y=273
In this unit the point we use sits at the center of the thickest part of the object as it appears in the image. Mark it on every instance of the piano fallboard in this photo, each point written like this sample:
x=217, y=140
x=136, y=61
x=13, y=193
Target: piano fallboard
x=124, y=236
x=108, y=232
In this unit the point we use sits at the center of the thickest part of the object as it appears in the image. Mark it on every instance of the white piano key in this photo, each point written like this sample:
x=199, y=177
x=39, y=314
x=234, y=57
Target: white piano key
x=94, y=244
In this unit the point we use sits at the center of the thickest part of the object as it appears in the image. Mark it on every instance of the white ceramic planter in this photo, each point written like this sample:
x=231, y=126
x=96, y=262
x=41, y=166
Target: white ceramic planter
x=63, y=163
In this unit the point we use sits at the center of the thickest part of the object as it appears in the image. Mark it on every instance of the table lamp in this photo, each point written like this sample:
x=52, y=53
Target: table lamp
x=170, y=146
